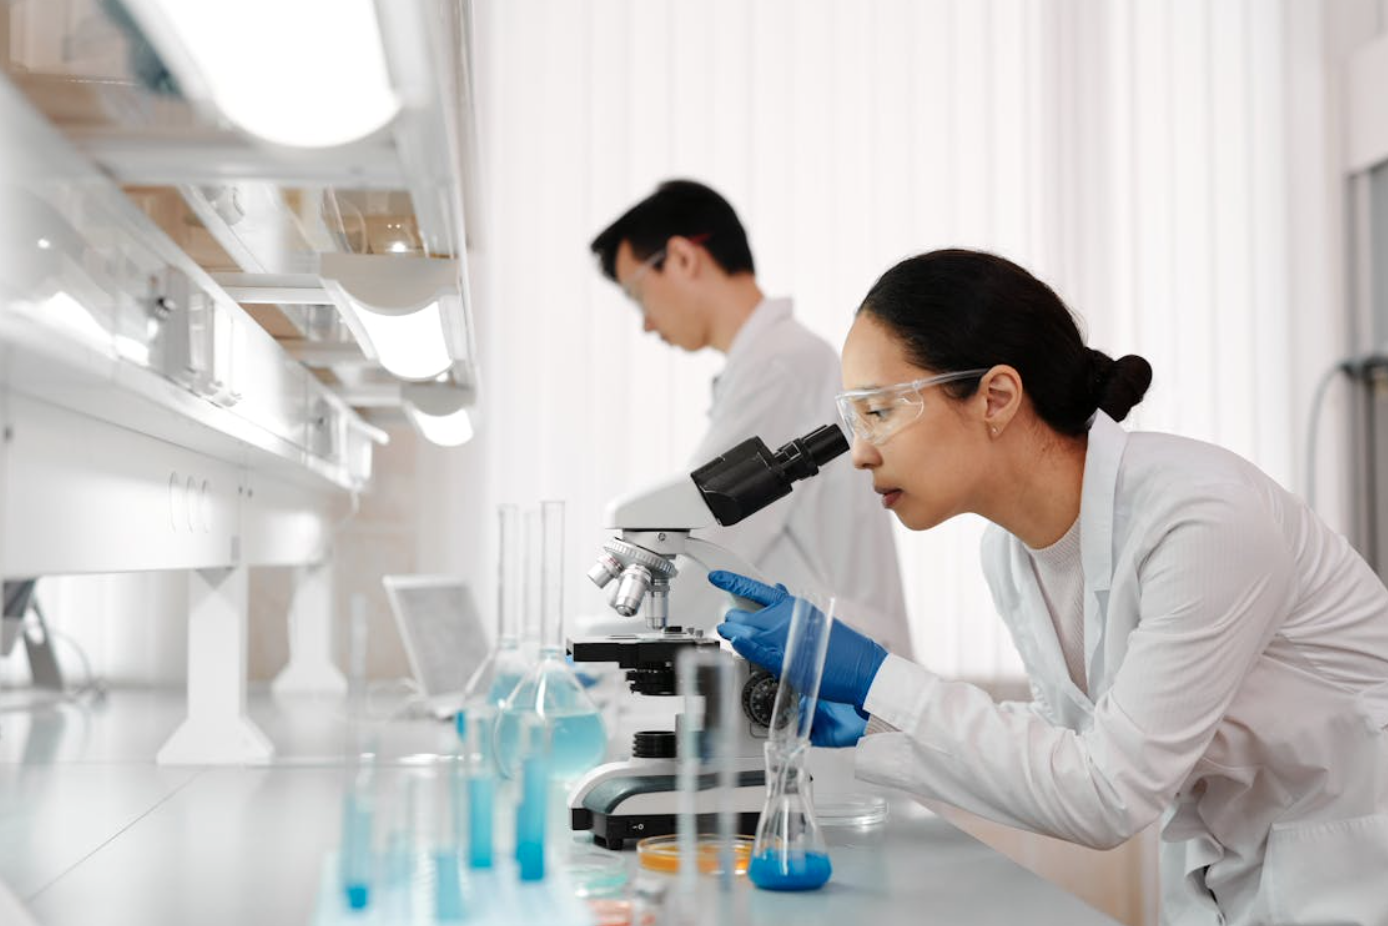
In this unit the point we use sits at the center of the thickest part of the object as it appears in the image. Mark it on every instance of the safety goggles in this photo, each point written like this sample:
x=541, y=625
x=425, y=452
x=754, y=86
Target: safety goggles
x=653, y=263
x=643, y=268
x=876, y=414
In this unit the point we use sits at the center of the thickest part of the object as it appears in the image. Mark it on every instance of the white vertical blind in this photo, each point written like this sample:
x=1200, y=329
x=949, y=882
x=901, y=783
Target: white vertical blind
x=1129, y=153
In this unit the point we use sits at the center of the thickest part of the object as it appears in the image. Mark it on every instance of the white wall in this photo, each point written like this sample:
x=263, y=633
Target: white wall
x=1170, y=167
x=1161, y=164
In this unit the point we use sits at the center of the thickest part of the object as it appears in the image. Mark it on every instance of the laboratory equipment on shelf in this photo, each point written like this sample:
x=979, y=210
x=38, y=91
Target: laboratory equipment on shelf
x=789, y=853
x=624, y=801
x=550, y=690
x=506, y=662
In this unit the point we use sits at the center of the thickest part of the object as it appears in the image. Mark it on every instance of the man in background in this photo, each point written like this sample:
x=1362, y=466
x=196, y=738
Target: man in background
x=682, y=256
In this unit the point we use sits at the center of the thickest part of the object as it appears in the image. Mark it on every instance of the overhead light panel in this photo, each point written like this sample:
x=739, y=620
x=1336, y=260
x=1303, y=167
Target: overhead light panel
x=406, y=312
x=440, y=411
x=300, y=73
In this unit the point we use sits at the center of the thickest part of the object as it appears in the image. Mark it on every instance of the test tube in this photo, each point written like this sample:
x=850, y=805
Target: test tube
x=532, y=542
x=552, y=576
x=481, y=783
x=708, y=681
x=448, y=887
x=355, y=853
x=530, y=815
x=398, y=856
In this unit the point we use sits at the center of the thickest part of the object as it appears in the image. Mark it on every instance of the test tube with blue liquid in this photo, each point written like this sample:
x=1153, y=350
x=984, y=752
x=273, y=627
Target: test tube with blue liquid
x=446, y=813
x=481, y=786
x=789, y=853
x=355, y=857
x=535, y=736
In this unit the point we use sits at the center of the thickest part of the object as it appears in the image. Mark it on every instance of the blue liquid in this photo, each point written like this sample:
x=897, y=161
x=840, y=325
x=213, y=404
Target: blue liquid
x=502, y=686
x=802, y=872
x=530, y=819
x=448, y=888
x=481, y=792
x=356, y=851
x=357, y=896
x=577, y=743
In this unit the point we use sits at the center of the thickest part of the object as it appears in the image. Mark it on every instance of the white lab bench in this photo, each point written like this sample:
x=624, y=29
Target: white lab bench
x=92, y=830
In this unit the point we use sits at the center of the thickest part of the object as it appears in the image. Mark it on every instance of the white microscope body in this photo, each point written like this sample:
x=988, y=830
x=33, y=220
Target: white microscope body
x=631, y=799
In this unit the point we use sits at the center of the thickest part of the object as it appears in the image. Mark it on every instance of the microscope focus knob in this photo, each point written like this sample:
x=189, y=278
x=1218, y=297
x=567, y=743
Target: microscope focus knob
x=759, y=697
x=653, y=744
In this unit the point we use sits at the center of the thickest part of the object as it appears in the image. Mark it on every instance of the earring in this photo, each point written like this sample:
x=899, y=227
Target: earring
x=994, y=430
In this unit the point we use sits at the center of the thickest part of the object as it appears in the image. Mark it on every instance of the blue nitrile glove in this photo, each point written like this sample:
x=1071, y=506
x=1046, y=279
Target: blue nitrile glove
x=760, y=636
x=837, y=725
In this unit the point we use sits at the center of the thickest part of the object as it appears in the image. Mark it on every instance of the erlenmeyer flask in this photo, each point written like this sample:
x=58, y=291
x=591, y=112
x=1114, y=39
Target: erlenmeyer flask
x=550, y=689
x=505, y=664
x=789, y=852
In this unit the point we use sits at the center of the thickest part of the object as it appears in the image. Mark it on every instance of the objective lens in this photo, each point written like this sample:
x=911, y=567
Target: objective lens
x=636, y=581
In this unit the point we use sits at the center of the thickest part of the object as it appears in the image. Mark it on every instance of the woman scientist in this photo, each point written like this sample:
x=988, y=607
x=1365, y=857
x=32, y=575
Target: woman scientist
x=1198, y=643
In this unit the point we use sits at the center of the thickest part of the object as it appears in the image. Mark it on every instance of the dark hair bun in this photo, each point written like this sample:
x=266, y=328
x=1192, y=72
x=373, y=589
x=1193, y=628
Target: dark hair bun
x=1118, y=384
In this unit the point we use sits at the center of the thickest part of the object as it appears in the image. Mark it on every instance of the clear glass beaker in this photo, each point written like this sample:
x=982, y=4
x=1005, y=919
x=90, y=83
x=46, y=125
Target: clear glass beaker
x=551, y=690
x=506, y=662
x=789, y=853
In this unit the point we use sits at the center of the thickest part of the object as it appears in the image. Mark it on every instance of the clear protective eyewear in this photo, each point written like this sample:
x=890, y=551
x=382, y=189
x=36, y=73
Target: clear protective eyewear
x=643, y=268
x=876, y=414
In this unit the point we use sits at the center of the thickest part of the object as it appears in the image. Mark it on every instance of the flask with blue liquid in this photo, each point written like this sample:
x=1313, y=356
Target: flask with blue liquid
x=551, y=690
x=789, y=853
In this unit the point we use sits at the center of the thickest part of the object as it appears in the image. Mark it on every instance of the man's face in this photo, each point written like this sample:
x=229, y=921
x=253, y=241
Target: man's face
x=664, y=296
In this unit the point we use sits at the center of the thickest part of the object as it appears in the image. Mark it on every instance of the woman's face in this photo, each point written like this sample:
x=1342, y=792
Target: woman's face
x=928, y=470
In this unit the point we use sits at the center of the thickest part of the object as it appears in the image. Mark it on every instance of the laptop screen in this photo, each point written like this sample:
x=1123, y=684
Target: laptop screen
x=441, y=629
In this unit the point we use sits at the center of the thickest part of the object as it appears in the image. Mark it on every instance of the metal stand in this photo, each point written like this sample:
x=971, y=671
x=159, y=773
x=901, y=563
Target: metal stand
x=311, y=669
x=217, y=731
x=38, y=642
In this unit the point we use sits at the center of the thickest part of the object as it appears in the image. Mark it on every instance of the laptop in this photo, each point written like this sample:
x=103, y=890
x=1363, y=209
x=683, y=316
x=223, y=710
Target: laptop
x=443, y=635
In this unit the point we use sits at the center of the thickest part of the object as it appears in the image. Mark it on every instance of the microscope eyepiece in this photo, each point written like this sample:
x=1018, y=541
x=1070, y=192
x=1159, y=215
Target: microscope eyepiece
x=749, y=477
x=802, y=457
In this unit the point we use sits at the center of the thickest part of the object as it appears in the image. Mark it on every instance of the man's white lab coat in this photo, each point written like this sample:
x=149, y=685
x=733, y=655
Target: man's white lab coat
x=831, y=534
x=1237, y=664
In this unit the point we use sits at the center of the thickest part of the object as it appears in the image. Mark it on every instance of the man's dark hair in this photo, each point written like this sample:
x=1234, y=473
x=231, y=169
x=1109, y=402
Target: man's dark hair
x=677, y=207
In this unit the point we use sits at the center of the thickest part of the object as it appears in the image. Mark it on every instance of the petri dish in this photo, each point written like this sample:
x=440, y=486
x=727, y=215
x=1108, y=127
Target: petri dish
x=662, y=853
x=595, y=873
x=610, y=911
x=851, y=810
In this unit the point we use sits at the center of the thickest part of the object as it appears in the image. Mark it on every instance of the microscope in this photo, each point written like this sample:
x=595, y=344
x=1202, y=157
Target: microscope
x=635, y=798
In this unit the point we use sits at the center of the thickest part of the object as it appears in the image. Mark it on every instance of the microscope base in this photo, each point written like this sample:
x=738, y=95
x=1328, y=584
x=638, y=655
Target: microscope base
x=619, y=832
x=626, y=801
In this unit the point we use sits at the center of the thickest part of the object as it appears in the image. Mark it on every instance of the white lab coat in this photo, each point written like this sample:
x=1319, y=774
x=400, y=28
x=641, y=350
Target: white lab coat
x=1237, y=665
x=831, y=534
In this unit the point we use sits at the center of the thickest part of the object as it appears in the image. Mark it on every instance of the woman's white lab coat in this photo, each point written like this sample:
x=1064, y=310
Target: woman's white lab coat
x=1237, y=666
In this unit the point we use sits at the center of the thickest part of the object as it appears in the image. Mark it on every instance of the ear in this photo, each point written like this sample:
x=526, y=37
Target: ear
x=1000, y=392
x=683, y=256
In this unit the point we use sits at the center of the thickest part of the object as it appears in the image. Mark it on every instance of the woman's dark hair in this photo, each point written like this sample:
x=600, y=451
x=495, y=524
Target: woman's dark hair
x=677, y=207
x=961, y=310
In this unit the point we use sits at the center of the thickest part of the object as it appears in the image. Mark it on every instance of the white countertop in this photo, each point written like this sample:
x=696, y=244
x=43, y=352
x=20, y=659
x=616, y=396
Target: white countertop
x=92, y=831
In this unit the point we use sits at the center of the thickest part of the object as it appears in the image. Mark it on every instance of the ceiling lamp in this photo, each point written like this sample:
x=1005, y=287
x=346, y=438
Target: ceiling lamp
x=440, y=411
x=300, y=73
x=405, y=312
